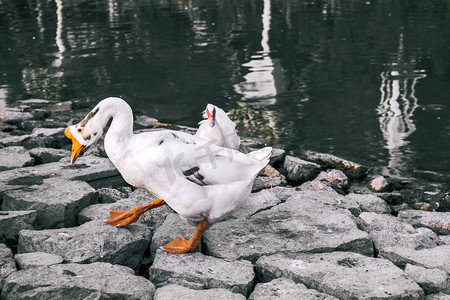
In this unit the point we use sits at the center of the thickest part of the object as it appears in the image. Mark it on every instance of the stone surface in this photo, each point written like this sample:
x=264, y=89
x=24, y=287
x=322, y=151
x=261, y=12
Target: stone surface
x=57, y=201
x=370, y=203
x=78, y=281
x=418, y=249
x=380, y=184
x=267, y=182
x=436, y=221
x=197, y=271
x=277, y=157
x=36, y=259
x=328, y=161
x=374, y=221
x=11, y=222
x=174, y=291
x=257, y=202
x=48, y=155
x=15, y=157
x=7, y=264
x=153, y=218
x=430, y=280
x=315, y=185
x=88, y=168
x=344, y=275
x=440, y=296
x=286, y=289
x=109, y=195
x=335, y=179
x=305, y=222
x=91, y=242
x=298, y=171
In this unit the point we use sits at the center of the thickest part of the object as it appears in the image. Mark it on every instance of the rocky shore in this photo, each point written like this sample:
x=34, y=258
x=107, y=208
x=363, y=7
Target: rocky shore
x=315, y=227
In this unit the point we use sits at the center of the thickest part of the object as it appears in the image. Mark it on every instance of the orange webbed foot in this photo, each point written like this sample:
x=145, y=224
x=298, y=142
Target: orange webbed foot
x=121, y=218
x=181, y=245
x=178, y=245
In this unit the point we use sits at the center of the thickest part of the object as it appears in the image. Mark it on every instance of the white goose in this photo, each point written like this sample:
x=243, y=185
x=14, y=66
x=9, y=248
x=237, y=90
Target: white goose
x=218, y=128
x=202, y=182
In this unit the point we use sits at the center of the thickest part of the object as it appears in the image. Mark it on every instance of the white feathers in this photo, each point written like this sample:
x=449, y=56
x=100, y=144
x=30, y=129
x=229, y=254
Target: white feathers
x=218, y=128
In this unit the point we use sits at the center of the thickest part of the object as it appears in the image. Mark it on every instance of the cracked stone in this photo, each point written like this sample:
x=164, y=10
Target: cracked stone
x=174, y=291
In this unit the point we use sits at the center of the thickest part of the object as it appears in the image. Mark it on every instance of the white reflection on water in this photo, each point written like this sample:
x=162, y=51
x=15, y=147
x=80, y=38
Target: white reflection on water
x=259, y=83
x=396, y=109
x=58, y=39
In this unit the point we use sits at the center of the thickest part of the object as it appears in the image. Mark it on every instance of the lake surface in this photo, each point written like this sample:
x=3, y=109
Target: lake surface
x=368, y=81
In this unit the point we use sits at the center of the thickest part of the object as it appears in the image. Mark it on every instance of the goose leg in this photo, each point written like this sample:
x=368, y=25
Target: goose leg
x=181, y=245
x=121, y=218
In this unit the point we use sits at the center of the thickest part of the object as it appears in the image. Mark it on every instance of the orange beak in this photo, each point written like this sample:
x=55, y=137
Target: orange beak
x=77, y=148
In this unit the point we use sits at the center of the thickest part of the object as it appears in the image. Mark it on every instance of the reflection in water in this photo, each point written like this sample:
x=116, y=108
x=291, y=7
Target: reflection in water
x=58, y=39
x=397, y=105
x=259, y=87
x=259, y=83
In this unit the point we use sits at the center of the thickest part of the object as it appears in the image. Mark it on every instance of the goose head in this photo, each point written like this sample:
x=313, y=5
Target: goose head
x=85, y=133
x=210, y=114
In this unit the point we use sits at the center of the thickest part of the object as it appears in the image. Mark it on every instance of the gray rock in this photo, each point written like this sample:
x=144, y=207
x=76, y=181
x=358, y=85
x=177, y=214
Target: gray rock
x=380, y=184
x=370, y=203
x=440, y=296
x=11, y=222
x=15, y=157
x=57, y=201
x=197, y=271
x=298, y=170
x=421, y=248
x=430, y=280
x=315, y=185
x=344, y=275
x=267, y=182
x=153, y=218
x=109, y=195
x=328, y=161
x=286, y=289
x=88, y=168
x=48, y=155
x=431, y=258
x=7, y=264
x=306, y=222
x=335, y=179
x=36, y=259
x=376, y=222
x=174, y=291
x=445, y=239
x=14, y=116
x=276, y=157
x=436, y=221
x=91, y=242
x=78, y=281
x=256, y=202
x=172, y=228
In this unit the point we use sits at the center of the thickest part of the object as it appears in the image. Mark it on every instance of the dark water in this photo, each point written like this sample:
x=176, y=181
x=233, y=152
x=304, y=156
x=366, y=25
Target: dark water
x=365, y=80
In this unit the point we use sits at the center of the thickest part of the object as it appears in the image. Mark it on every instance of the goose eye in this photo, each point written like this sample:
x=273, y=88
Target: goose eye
x=79, y=130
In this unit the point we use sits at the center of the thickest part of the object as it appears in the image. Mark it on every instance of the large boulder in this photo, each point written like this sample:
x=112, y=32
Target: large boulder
x=57, y=201
x=78, y=281
x=7, y=263
x=344, y=275
x=436, y=221
x=286, y=289
x=48, y=155
x=11, y=222
x=36, y=259
x=174, y=291
x=197, y=271
x=305, y=222
x=91, y=242
x=298, y=170
x=15, y=157
x=430, y=280
x=329, y=161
